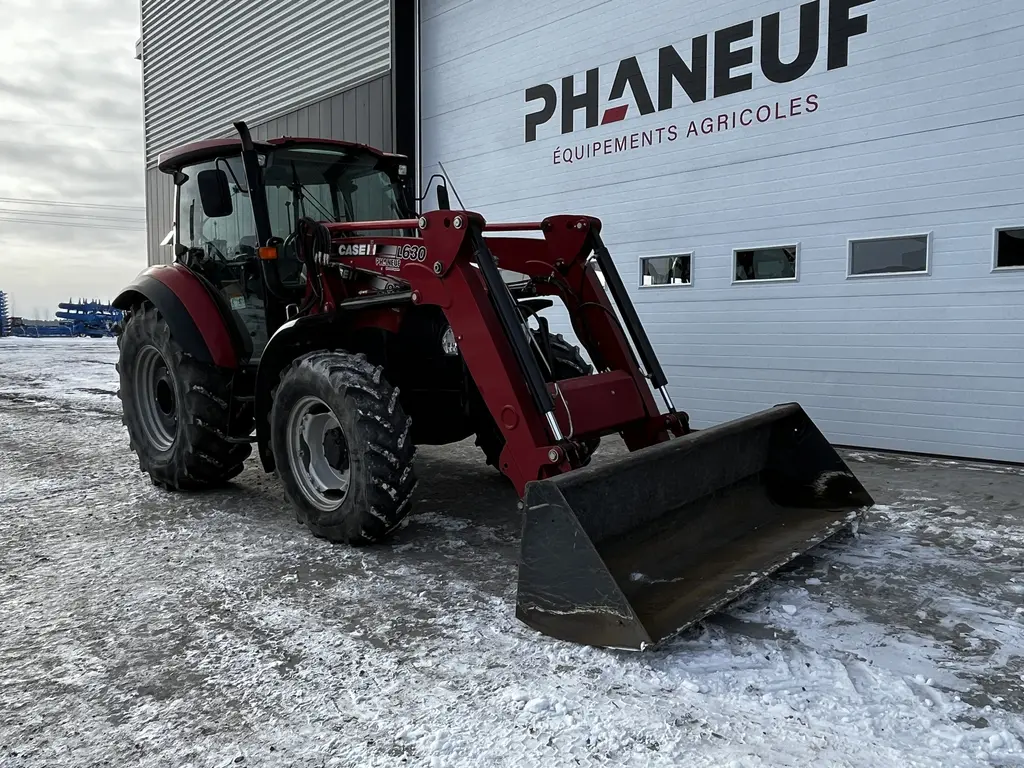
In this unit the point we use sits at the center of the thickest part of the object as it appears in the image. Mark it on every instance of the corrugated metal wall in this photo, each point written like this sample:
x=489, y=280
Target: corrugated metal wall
x=360, y=114
x=206, y=64
x=159, y=207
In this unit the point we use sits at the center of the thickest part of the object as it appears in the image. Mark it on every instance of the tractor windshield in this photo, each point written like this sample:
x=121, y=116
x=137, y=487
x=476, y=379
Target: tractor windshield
x=328, y=185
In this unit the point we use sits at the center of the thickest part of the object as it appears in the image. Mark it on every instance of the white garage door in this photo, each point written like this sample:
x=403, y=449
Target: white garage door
x=833, y=179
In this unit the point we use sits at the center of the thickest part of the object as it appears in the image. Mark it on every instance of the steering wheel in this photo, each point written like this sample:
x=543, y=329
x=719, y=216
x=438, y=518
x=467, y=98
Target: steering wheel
x=217, y=253
x=290, y=243
x=293, y=267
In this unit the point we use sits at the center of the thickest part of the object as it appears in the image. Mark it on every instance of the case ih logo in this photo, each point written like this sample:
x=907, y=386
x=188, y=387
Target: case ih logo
x=357, y=249
x=407, y=252
x=732, y=48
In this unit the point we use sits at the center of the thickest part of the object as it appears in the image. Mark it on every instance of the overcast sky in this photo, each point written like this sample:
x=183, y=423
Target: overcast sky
x=70, y=132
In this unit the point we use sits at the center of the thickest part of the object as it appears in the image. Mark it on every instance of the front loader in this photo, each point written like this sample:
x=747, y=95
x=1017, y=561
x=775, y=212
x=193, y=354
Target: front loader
x=312, y=310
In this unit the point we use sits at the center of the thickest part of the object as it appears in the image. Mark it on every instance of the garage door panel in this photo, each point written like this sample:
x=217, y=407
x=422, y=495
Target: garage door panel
x=922, y=399
x=921, y=132
x=730, y=357
x=861, y=312
x=956, y=437
x=903, y=350
x=884, y=421
x=985, y=79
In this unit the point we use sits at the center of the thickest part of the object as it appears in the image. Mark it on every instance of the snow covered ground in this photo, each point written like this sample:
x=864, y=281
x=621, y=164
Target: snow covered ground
x=143, y=628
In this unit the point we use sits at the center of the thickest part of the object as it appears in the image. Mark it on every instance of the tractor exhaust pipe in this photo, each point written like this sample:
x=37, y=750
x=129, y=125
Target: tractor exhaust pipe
x=254, y=183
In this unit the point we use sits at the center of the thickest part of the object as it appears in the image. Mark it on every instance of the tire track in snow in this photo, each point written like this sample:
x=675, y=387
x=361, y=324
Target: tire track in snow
x=157, y=629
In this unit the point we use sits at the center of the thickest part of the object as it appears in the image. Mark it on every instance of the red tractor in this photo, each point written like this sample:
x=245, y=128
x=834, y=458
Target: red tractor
x=313, y=311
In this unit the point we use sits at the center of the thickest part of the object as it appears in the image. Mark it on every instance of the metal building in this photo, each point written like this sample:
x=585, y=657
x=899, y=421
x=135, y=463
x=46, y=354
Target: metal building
x=298, y=68
x=814, y=201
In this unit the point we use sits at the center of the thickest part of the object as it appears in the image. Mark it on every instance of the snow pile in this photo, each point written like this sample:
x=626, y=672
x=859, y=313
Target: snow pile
x=58, y=374
x=153, y=629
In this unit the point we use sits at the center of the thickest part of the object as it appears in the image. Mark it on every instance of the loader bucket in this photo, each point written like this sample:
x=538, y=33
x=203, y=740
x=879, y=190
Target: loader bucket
x=627, y=553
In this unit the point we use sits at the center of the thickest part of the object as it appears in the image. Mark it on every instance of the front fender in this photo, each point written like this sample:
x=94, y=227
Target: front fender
x=534, y=305
x=294, y=338
x=195, y=320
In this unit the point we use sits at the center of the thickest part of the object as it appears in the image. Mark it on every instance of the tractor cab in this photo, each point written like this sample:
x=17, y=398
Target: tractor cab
x=215, y=224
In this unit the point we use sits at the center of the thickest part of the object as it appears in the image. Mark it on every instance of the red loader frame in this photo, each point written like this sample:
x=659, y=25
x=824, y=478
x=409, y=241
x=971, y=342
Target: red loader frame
x=453, y=266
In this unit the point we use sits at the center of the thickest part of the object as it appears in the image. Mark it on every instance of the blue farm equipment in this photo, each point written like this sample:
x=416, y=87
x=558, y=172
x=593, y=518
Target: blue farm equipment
x=91, y=319
x=5, y=322
x=35, y=329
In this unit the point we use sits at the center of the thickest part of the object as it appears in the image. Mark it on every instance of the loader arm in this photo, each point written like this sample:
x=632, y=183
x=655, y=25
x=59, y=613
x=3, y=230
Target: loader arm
x=561, y=266
x=454, y=266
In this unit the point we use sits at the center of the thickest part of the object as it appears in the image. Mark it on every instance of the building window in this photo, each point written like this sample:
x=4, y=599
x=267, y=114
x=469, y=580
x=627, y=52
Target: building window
x=769, y=263
x=1010, y=248
x=902, y=255
x=665, y=270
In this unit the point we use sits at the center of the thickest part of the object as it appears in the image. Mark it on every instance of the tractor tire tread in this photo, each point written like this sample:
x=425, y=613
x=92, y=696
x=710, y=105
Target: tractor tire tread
x=201, y=457
x=387, y=480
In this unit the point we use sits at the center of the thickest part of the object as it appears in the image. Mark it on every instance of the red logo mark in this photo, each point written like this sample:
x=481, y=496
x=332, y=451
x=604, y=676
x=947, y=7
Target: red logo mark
x=614, y=115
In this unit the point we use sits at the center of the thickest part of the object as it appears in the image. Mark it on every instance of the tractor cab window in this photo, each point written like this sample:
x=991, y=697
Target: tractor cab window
x=328, y=185
x=228, y=238
x=224, y=249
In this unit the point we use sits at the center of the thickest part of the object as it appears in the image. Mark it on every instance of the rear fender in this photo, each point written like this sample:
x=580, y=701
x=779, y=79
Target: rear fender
x=194, y=317
x=294, y=338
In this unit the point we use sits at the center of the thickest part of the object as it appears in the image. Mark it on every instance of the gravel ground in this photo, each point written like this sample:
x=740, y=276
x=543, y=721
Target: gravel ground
x=139, y=627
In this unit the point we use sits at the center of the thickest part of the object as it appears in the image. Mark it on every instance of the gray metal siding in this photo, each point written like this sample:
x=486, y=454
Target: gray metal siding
x=159, y=215
x=207, y=63
x=361, y=114
x=923, y=133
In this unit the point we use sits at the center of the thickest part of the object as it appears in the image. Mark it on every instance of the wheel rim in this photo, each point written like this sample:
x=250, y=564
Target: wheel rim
x=318, y=453
x=156, y=399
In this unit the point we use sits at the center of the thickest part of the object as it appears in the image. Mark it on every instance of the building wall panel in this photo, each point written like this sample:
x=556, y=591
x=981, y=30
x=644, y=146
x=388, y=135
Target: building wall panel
x=253, y=61
x=921, y=133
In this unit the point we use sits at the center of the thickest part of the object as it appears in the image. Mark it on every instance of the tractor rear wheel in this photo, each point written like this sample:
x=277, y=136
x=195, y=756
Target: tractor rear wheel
x=566, y=363
x=342, y=447
x=176, y=409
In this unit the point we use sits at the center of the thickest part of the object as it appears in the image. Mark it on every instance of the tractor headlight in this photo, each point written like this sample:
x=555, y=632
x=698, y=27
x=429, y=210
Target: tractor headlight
x=448, y=343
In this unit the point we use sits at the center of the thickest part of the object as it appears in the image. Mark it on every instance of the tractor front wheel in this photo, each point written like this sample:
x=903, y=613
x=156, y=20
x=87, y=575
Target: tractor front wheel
x=342, y=448
x=177, y=411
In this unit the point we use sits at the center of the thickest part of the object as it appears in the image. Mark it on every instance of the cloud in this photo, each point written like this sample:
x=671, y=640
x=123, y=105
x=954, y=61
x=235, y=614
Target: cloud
x=71, y=131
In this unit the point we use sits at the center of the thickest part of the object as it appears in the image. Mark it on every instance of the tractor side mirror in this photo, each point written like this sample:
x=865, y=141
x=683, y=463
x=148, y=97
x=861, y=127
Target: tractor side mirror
x=443, y=202
x=215, y=193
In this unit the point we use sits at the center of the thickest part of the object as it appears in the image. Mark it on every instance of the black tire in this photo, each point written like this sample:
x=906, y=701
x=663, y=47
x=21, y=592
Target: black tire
x=567, y=363
x=190, y=401
x=376, y=447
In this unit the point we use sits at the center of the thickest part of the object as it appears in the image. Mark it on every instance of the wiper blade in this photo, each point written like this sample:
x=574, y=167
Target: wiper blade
x=304, y=195
x=316, y=202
